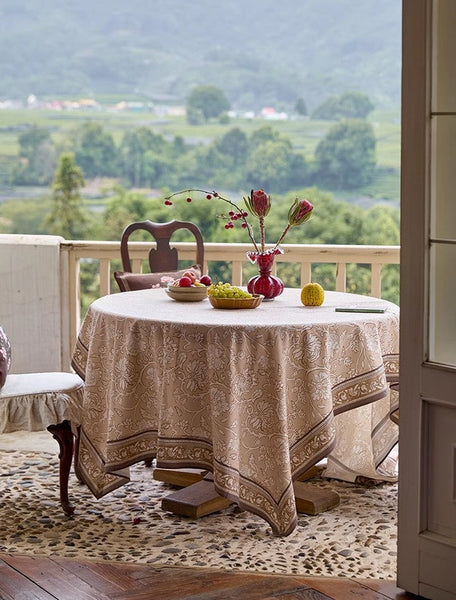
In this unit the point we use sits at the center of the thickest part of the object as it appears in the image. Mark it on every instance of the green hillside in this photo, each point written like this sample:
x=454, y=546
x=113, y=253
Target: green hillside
x=259, y=52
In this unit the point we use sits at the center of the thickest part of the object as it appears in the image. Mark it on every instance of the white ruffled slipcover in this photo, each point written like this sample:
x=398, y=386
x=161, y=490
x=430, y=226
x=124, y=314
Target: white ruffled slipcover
x=33, y=401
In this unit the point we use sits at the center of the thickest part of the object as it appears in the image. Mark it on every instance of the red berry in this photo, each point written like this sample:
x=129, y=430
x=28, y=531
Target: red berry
x=189, y=199
x=244, y=225
x=168, y=202
x=209, y=196
x=215, y=194
x=185, y=282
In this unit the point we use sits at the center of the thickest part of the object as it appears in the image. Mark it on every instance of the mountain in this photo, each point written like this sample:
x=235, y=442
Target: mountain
x=259, y=52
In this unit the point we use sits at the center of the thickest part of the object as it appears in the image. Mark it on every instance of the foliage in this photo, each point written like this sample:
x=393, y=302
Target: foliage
x=206, y=101
x=301, y=107
x=95, y=151
x=24, y=216
x=350, y=105
x=345, y=157
x=37, y=158
x=67, y=217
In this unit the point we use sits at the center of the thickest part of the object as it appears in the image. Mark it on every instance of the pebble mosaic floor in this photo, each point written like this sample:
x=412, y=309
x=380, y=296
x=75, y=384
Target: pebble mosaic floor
x=355, y=539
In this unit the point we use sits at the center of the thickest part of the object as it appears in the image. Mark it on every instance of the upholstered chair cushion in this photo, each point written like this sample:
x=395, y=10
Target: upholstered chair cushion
x=5, y=356
x=139, y=281
x=34, y=401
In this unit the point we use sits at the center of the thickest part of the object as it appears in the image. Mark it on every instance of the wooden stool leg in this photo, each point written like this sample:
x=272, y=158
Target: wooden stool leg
x=64, y=436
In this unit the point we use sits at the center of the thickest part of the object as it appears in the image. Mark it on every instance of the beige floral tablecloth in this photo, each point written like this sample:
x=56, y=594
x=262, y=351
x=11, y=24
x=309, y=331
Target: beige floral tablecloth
x=251, y=395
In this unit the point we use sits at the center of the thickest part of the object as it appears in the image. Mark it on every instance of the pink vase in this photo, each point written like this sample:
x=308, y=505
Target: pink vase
x=265, y=284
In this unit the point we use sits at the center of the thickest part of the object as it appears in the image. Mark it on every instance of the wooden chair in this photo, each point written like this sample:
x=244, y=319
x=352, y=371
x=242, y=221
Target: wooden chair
x=163, y=259
x=39, y=401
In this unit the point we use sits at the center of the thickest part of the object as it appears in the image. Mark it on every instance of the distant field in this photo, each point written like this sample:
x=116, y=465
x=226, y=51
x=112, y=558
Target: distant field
x=303, y=133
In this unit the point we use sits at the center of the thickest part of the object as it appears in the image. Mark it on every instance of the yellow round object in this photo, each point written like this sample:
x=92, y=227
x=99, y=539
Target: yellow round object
x=312, y=294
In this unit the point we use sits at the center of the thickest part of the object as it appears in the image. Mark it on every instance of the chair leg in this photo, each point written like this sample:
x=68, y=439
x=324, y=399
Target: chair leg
x=64, y=436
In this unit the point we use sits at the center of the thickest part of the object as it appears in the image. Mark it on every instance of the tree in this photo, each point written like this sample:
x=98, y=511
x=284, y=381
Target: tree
x=96, y=152
x=345, y=157
x=37, y=158
x=233, y=146
x=137, y=150
x=301, y=107
x=67, y=217
x=268, y=165
x=207, y=101
x=350, y=105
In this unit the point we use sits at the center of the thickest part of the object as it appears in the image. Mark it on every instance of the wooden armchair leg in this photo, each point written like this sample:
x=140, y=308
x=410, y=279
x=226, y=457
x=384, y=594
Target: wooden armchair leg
x=64, y=436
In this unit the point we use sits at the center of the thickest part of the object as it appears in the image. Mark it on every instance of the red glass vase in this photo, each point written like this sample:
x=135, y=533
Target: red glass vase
x=265, y=284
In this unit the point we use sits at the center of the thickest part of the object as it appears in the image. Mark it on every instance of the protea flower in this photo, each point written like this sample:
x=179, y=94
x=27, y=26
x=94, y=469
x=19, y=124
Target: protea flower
x=258, y=203
x=299, y=212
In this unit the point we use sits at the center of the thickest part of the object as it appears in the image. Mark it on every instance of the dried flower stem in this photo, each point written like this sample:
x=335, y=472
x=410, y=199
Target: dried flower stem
x=233, y=204
x=261, y=220
x=284, y=233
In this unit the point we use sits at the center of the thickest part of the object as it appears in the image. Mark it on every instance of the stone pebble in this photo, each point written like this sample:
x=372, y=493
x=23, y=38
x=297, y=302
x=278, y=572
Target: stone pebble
x=357, y=538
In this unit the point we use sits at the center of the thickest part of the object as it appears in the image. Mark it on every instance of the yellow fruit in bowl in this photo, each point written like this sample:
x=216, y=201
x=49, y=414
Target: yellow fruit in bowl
x=312, y=294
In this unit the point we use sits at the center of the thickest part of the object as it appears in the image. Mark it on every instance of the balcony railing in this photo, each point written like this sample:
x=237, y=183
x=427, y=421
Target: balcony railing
x=305, y=255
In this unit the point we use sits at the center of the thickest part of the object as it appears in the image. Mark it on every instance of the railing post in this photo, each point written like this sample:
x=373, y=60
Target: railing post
x=236, y=272
x=376, y=280
x=341, y=277
x=75, y=297
x=105, y=276
x=306, y=273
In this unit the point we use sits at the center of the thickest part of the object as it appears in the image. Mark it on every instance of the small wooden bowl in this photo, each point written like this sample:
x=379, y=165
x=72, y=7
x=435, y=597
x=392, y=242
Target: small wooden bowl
x=236, y=302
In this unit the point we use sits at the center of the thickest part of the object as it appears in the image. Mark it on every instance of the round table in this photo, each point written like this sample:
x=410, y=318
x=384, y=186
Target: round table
x=255, y=396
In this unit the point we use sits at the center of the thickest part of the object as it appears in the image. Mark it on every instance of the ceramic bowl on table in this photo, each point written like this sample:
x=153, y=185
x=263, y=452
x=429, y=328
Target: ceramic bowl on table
x=187, y=294
x=236, y=302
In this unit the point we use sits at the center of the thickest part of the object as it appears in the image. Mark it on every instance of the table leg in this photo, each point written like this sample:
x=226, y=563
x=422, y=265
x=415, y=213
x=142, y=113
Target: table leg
x=179, y=477
x=196, y=500
x=200, y=498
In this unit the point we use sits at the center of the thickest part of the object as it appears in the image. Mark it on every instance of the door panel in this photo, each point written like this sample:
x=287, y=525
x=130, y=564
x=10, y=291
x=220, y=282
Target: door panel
x=427, y=443
x=440, y=466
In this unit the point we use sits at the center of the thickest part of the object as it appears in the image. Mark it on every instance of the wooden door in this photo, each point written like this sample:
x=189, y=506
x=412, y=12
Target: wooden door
x=427, y=443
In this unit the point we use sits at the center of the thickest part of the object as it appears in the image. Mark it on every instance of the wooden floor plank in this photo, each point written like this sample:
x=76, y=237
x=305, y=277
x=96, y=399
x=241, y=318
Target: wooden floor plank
x=233, y=586
x=387, y=588
x=13, y=583
x=343, y=589
x=44, y=578
x=55, y=578
x=108, y=577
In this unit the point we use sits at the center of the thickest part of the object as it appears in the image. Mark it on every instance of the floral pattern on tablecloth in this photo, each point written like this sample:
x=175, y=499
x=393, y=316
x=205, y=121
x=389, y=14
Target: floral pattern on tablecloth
x=254, y=403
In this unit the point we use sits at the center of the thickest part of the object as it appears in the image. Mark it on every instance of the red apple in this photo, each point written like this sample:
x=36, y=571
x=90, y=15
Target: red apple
x=205, y=280
x=190, y=275
x=185, y=282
